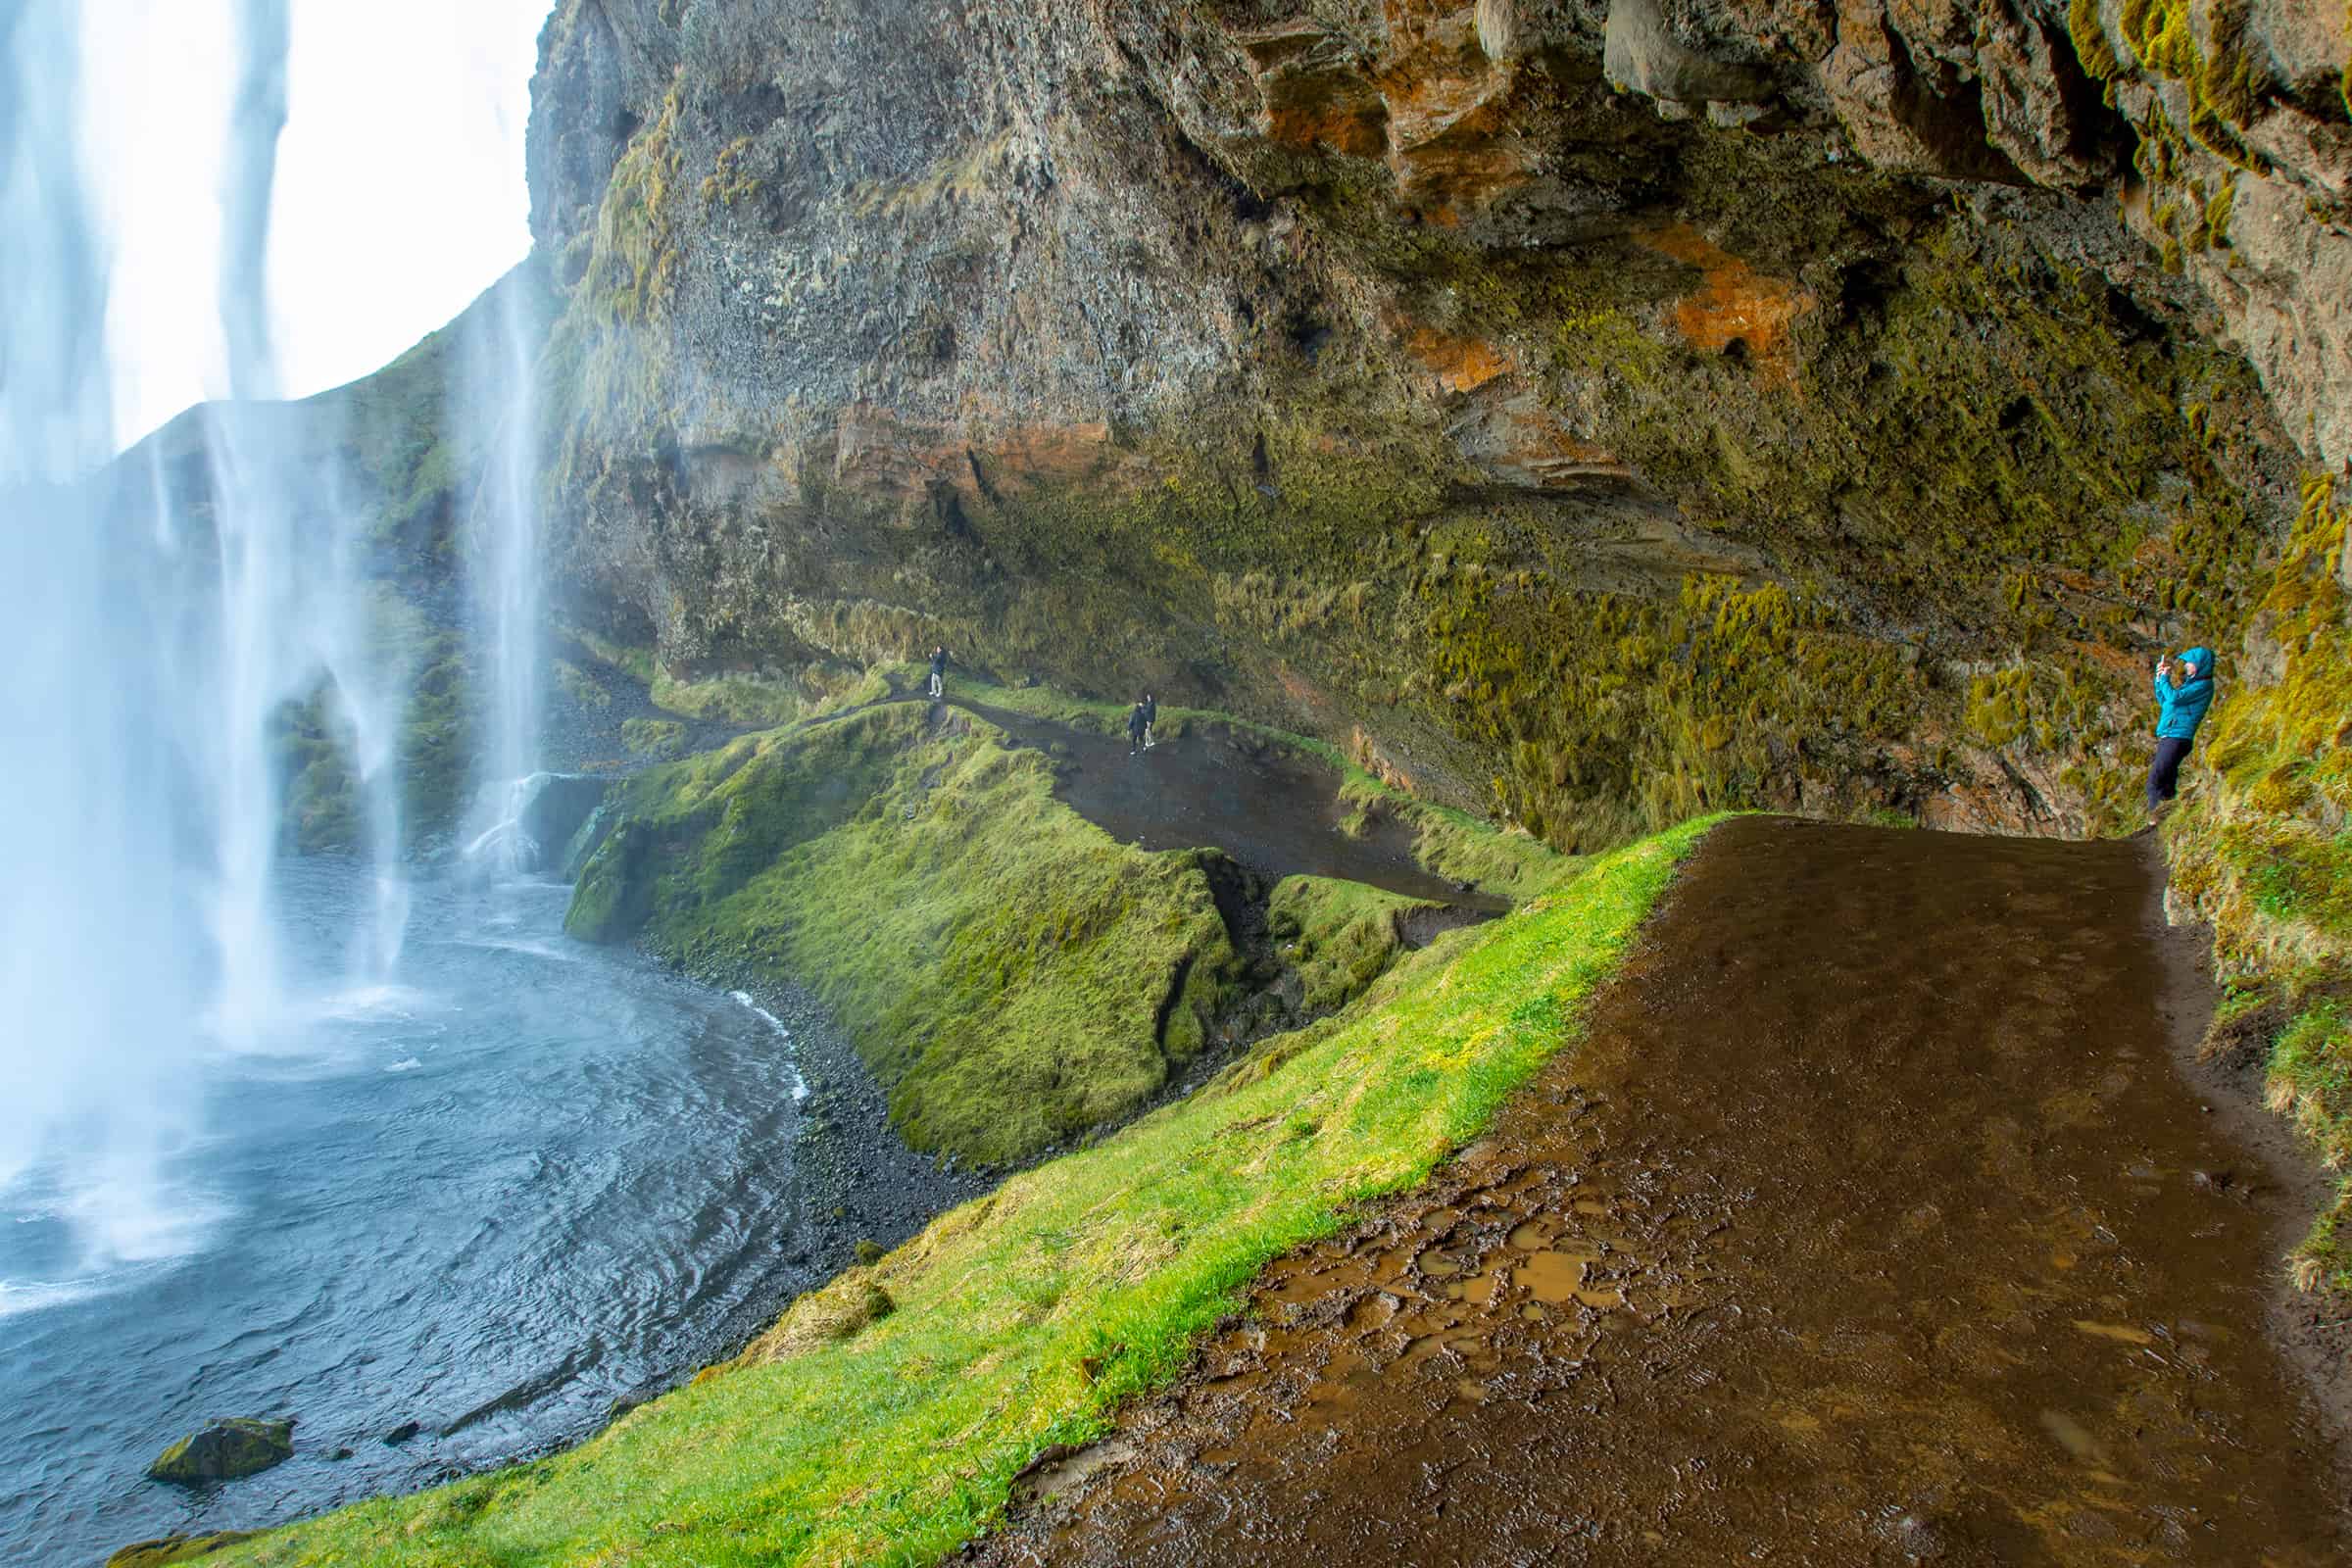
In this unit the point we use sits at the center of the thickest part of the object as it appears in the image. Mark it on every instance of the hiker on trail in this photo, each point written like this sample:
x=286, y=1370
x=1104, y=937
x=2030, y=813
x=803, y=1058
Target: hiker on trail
x=2183, y=691
x=1138, y=728
x=1151, y=709
x=939, y=673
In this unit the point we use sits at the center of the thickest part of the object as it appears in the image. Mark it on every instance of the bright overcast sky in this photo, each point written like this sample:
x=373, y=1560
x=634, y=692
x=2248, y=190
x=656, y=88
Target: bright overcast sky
x=400, y=186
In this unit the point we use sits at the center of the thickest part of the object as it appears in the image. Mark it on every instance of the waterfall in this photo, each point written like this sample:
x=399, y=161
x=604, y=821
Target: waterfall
x=297, y=619
x=500, y=385
x=98, y=961
x=157, y=626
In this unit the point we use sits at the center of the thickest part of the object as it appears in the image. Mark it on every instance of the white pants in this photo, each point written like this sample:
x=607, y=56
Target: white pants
x=937, y=685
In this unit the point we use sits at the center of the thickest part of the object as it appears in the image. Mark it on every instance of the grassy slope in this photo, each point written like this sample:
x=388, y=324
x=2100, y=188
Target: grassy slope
x=1340, y=936
x=1004, y=964
x=1012, y=972
x=2261, y=848
x=1022, y=1319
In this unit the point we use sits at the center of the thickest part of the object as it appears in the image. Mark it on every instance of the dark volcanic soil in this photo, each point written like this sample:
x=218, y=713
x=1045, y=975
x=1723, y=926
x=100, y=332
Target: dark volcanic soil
x=1874, y=1224
x=1217, y=787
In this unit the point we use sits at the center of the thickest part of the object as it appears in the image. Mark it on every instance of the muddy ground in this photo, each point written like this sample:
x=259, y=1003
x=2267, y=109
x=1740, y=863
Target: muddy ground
x=1877, y=1222
x=1220, y=787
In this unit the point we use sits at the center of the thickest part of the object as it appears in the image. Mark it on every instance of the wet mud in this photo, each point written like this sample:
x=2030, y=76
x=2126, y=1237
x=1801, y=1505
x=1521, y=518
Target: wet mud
x=1219, y=788
x=1875, y=1223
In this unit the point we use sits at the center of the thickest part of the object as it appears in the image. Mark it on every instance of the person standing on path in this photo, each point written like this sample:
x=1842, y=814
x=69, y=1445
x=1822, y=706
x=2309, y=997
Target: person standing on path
x=1151, y=709
x=1138, y=728
x=939, y=673
x=2183, y=691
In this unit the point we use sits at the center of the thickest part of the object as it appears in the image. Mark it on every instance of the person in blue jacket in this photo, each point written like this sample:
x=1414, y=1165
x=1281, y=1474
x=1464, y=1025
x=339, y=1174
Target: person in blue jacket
x=2183, y=691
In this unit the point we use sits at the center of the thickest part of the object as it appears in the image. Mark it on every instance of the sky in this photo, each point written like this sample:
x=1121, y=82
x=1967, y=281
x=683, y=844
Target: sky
x=400, y=191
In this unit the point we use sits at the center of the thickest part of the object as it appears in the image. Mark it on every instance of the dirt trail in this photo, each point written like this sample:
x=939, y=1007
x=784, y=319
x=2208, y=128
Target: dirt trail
x=1216, y=787
x=1875, y=1224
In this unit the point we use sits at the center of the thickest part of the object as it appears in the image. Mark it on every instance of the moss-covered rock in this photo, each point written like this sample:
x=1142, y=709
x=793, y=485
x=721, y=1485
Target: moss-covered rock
x=2261, y=848
x=168, y=1549
x=225, y=1449
x=1338, y=936
x=659, y=738
x=1013, y=974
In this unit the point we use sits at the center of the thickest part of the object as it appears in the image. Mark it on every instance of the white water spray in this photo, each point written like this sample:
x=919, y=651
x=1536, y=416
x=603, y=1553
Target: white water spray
x=499, y=356
x=96, y=960
x=146, y=672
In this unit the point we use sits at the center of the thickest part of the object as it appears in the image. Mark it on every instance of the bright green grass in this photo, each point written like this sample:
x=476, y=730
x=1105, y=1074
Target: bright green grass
x=1340, y=936
x=1015, y=974
x=1024, y=1318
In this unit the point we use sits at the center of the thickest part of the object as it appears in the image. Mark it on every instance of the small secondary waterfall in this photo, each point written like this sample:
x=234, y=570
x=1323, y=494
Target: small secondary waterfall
x=500, y=358
x=297, y=621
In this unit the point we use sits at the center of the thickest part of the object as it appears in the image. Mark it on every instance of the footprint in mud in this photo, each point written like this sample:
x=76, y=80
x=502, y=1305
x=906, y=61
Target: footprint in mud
x=1530, y=1235
x=1558, y=1278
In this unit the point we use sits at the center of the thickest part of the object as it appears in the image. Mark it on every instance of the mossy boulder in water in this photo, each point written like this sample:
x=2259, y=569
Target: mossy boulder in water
x=225, y=1449
x=167, y=1549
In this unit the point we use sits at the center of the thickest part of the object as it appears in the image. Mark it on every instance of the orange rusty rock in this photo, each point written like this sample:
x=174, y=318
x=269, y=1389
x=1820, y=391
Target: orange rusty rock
x=1462, y=364
x=1449, y=141
x=1365, y=753
x=1430, y=101
x=1734, y=303
x=883, y=453
x=1310, y=99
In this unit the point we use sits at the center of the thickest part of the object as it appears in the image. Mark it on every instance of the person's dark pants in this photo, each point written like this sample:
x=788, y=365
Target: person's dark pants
x=2164, y=774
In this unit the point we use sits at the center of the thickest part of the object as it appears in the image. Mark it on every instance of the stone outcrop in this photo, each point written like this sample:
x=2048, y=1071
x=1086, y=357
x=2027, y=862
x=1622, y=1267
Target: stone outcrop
x=164, y=1550
x=225, y=1450
x=1609, y=410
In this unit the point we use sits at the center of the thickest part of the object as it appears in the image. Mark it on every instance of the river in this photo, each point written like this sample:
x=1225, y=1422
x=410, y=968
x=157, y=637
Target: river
x=528, y=1179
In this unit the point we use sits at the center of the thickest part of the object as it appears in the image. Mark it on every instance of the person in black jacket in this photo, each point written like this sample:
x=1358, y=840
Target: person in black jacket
x=1151, y=709
x=1137, y=728
x=939, y=673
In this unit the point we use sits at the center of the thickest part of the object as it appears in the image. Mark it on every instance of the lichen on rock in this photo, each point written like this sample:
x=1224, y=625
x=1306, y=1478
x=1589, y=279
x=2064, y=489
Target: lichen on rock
x=225, y=1450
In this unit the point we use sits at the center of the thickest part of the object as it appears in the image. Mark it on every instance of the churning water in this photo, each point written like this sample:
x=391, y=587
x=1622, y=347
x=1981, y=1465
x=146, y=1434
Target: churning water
x=528, y=1179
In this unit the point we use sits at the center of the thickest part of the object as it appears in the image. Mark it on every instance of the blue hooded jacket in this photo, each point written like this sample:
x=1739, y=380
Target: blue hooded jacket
x=2182, y=708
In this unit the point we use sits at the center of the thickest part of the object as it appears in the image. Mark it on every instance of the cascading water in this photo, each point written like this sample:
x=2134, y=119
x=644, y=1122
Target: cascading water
x=96, y=958
x=297, y=619
x=145, y=671
x=499, y=362
x=240, y=1173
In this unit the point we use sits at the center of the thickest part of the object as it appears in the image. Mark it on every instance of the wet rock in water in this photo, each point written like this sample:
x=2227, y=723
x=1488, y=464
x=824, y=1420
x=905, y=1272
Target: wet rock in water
x=167, y=1549
x=340, y=1454
x=402, y=1433
x=225, y=1449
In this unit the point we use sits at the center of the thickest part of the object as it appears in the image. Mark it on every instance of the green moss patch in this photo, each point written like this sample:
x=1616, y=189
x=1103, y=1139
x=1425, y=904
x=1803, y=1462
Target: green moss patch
x=653, y=737
x=1013, y=974
x=1339, y=936
x=315, y=746
x=736, y=697
x=1024, y=1319
x=2260, y=848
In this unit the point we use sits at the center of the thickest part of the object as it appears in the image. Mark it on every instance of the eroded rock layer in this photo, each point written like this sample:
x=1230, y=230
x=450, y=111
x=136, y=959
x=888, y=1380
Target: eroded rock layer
x=1587, y=412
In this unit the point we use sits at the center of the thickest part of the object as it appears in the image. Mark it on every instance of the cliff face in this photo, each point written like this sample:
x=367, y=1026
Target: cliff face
x=1595, y=412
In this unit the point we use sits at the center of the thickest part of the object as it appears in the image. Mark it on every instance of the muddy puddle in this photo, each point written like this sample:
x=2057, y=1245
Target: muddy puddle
x=1875, y=1224
x=1220, y=788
